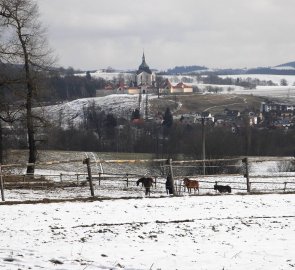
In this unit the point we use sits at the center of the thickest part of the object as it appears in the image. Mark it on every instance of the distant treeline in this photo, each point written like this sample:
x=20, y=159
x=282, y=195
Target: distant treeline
x=184, y=70
x=271, y=71
x=71, y=87
x=53, y=85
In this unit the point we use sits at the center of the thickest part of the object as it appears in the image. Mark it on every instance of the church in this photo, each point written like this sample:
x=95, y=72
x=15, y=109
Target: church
x=143, y=80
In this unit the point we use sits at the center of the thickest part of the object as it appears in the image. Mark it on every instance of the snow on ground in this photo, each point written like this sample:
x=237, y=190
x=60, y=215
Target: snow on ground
x=198, y=232
x=120, y=105
x=158, y=232
x=264, y=77
x=282, y=92
x=123, y=104
x=267, y=176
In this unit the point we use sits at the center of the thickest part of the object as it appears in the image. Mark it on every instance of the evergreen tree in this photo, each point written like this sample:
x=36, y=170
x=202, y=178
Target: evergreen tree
x=168, y=118
x=135, y=114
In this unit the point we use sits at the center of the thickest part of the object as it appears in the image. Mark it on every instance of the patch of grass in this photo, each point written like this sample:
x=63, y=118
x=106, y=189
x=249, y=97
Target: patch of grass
x=215, y=103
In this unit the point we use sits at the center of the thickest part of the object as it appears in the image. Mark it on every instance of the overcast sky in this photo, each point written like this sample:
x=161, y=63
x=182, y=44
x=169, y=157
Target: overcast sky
x=93, y=34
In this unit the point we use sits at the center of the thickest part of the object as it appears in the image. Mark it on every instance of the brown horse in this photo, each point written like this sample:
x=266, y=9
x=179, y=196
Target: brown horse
x=147, y=182
x=191, y=184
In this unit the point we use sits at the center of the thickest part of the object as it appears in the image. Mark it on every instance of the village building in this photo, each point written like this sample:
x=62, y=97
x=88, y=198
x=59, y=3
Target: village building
x=168, y=88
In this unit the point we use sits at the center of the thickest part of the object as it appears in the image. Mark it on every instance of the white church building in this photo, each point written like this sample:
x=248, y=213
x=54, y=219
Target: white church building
x=143, y=80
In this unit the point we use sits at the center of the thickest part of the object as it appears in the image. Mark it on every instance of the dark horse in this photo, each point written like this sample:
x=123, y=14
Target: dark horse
x=168, y=185
x=222, y=189
x=147, y=182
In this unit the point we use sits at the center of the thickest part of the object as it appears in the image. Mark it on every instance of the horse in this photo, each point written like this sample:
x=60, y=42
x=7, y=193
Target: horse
x=222, y=189
x=191, y=184
x=147, y=182
x=168, y=185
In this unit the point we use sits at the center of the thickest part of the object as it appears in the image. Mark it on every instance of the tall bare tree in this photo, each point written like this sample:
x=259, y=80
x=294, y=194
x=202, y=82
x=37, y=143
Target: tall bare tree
x=23, y=42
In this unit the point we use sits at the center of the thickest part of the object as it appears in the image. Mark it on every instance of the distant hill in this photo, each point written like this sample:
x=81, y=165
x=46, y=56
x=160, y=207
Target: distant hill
x=289, y=65
x=273, y=71
x=185, y=69
x=283, y=69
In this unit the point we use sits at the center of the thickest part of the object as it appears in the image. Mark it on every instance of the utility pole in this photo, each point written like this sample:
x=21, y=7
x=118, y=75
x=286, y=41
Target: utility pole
x=139, y=100
x=146, y=107
x=203, y=145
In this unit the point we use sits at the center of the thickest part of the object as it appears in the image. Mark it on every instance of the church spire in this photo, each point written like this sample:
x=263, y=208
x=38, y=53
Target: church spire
x=144, y=66
x=143, y=58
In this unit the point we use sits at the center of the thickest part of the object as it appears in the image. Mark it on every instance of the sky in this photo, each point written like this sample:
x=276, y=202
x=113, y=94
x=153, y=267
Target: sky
x=95, y=34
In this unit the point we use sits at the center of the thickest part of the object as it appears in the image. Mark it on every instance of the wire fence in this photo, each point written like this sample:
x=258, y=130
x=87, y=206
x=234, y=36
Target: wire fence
x=118, y=178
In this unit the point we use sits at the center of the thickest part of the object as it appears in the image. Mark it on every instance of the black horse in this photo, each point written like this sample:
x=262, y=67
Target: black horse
x=168, y=185
x=147, y=182
x=222, y=189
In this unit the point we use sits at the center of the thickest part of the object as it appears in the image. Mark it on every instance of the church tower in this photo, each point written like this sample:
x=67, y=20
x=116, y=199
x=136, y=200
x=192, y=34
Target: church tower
x=144, y=76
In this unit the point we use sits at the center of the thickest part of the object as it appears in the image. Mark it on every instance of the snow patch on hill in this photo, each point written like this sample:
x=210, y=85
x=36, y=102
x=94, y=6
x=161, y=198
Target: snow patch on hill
x=72, y=112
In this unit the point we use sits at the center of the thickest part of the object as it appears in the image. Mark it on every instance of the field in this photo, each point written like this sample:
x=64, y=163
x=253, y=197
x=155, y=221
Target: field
x=122, y=229
x=197, y=232
x=206, y=102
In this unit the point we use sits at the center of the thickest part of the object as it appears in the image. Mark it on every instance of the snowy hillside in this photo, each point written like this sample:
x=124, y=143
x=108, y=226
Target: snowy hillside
x=119, y=105
x=264, y=77
x=123, y=104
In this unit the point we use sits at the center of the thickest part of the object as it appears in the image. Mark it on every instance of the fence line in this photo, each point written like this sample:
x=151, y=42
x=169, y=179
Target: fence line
x=169, y=164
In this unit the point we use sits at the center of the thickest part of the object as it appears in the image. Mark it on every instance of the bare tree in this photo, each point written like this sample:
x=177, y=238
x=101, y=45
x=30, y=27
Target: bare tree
x=23, y=42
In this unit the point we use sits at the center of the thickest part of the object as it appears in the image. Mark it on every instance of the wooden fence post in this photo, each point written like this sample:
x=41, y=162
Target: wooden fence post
x=285, y=186
x=87, y=162
x=99, y=178
x=246, y=161
x=127, y=180
x=171, y=178
x=1, y=185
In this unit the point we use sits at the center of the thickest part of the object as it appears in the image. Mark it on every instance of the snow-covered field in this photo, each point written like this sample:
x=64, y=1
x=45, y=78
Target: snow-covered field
x=267, y=176
x=123, y=229
x=264, y=77
x=162, y=232
x=198, y=232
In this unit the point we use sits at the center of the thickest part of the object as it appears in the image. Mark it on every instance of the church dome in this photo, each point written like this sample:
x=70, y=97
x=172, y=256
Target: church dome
x=143, y=67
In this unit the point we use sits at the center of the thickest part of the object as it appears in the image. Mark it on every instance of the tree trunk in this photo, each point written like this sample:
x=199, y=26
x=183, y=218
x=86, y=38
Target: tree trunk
x=1, y=143
x=30, y=121
x=31, y=139
x=25, y=44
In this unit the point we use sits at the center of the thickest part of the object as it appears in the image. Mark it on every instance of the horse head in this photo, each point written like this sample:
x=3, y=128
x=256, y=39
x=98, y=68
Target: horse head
x=140, y=180
x=185, y=180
